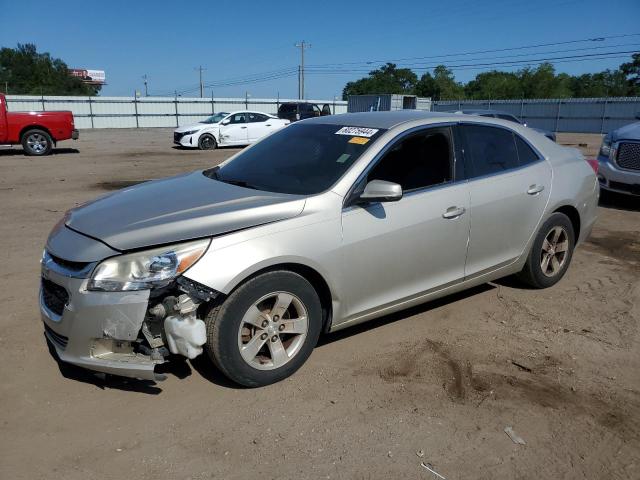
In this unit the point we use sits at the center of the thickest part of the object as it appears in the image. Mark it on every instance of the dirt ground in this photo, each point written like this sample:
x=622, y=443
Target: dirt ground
x=435, y=384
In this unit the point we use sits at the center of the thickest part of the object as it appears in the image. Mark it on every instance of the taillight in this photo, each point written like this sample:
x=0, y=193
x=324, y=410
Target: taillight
x=594, y=164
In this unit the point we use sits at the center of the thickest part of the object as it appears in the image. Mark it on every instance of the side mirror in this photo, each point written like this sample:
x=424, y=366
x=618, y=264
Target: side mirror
x=380, y=191
x=638, y=116
x=225, y=122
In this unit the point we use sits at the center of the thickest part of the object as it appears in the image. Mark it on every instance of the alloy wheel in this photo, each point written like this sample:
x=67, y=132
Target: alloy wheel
x=37, y=142
x=554, y=251
x=273, y=330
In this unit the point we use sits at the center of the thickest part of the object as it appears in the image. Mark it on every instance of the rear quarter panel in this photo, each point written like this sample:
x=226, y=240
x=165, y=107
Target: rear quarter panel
x=574, y=184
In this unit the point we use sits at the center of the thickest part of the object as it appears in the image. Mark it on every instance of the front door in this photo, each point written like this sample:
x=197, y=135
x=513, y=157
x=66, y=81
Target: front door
x=509, y=188
x=396, y=251
x=236, y=131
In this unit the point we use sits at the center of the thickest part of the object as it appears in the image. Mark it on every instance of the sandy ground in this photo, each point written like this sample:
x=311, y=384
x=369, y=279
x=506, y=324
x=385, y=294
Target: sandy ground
x=438, y=383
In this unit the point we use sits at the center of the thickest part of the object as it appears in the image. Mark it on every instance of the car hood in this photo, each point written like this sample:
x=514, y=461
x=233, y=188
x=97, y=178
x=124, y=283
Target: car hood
x=196, y=126
x=628, y=132
x=178, y=208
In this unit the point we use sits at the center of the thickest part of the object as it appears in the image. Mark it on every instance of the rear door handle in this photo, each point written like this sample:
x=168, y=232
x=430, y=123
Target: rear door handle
x=243, y=127
x=268, y=125
x=535, y=189
x=453, y=212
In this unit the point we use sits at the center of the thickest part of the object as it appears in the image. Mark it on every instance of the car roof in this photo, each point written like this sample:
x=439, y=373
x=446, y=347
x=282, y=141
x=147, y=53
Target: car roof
x=480, y=111
x=384, y=120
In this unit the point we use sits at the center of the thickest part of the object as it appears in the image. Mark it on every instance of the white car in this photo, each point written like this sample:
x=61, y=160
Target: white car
x=226, y=129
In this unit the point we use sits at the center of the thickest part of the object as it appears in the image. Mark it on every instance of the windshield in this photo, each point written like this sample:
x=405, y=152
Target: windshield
x=215, y=118
x=300, y=159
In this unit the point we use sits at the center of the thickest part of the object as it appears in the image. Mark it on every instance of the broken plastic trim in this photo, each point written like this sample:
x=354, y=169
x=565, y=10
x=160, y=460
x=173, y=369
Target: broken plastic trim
x=196, y=290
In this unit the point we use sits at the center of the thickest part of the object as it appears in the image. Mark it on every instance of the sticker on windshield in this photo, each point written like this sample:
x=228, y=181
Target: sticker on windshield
x=358, y=140
x=357, y=131
x=343, y=158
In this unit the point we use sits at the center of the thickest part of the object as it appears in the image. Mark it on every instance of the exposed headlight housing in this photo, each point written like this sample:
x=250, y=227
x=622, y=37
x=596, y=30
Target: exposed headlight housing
x=190, y=132
x=605, y=148
x=146, y=269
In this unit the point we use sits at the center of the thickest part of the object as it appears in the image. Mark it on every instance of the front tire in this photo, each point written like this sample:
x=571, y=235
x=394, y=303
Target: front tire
x=36, y=142
x=265, y=329
x=550, y=253
x=207, y=142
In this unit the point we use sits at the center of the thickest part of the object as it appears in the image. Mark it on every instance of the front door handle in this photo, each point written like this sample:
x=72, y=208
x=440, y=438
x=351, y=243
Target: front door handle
x=268, y=125
x=243, y=127
x=453, y=212
x=535, y=189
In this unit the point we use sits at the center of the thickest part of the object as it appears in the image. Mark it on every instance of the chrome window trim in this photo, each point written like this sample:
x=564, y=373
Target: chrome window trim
x=346, y=205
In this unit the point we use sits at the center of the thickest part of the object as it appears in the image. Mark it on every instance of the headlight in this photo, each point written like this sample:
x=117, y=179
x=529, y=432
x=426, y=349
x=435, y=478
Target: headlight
x=146, y=269
x=190, y=132
x=605, y=148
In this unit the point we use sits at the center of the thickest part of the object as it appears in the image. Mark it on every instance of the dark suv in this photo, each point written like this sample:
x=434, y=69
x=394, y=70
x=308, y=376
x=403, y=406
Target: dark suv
x=293, y=111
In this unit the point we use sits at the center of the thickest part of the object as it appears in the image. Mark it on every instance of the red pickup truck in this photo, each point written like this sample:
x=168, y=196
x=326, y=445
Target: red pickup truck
x=38, y=132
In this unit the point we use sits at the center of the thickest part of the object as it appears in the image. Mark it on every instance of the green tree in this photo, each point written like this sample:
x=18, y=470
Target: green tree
x=495, y=85
x=386, y=79
x=441, y=85
x=28, y=72
x=609, y=83
x=632, y=71
x=542, y=82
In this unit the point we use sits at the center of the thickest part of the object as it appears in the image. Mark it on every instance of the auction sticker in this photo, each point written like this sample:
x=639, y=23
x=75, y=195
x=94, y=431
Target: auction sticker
x=357, y=131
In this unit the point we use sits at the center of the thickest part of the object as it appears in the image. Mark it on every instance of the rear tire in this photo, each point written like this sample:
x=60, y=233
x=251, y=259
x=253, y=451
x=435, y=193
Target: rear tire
x=550, y=254
x=207, y=142
x=265, y=329
x=36, y=142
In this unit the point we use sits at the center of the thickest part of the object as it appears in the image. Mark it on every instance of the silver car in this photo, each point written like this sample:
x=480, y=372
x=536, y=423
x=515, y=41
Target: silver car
x=322, y=225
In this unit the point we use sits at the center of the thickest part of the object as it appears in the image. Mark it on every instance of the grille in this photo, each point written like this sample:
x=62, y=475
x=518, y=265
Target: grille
x=68, y=264
x=629, y=156
x=60, y=340
x=54, y=296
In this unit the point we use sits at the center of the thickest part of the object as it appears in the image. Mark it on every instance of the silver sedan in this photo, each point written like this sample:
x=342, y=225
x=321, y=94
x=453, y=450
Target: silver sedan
x=324, y=224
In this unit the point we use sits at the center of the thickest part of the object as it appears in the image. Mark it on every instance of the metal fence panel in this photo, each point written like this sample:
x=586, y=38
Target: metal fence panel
x=580, y=115
x=131, y=112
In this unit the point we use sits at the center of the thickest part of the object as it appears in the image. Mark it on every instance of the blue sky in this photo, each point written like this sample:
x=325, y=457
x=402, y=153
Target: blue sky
x=237, y=39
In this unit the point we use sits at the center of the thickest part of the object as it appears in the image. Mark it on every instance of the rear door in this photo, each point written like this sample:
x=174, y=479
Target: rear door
x=258, y=126
x=398, y=250
x=236, y=131
x=509, y=186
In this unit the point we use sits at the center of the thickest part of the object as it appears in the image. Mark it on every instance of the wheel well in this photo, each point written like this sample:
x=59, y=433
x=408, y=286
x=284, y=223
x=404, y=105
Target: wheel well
x=574, y=216
x=314, y=278
x=35, y=127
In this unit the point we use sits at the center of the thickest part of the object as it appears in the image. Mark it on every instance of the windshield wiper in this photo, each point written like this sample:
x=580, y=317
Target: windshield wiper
x=239, y=183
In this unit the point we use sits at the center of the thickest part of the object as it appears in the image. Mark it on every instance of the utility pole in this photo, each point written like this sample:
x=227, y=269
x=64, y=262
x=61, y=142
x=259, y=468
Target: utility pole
x=302, y=45
x=146, y=91
x=200, y=69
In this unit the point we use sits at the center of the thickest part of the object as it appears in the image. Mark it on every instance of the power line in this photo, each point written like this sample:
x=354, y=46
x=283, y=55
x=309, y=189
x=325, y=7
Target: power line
x=490, y=64
x=475, y=52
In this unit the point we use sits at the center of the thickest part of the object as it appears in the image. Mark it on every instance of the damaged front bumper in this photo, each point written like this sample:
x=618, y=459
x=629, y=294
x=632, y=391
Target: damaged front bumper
x=95, y=330
x=126, y=333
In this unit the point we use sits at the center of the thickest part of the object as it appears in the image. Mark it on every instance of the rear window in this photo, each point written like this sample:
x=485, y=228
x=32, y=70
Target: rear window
x=288, y=108
x=299, y=159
